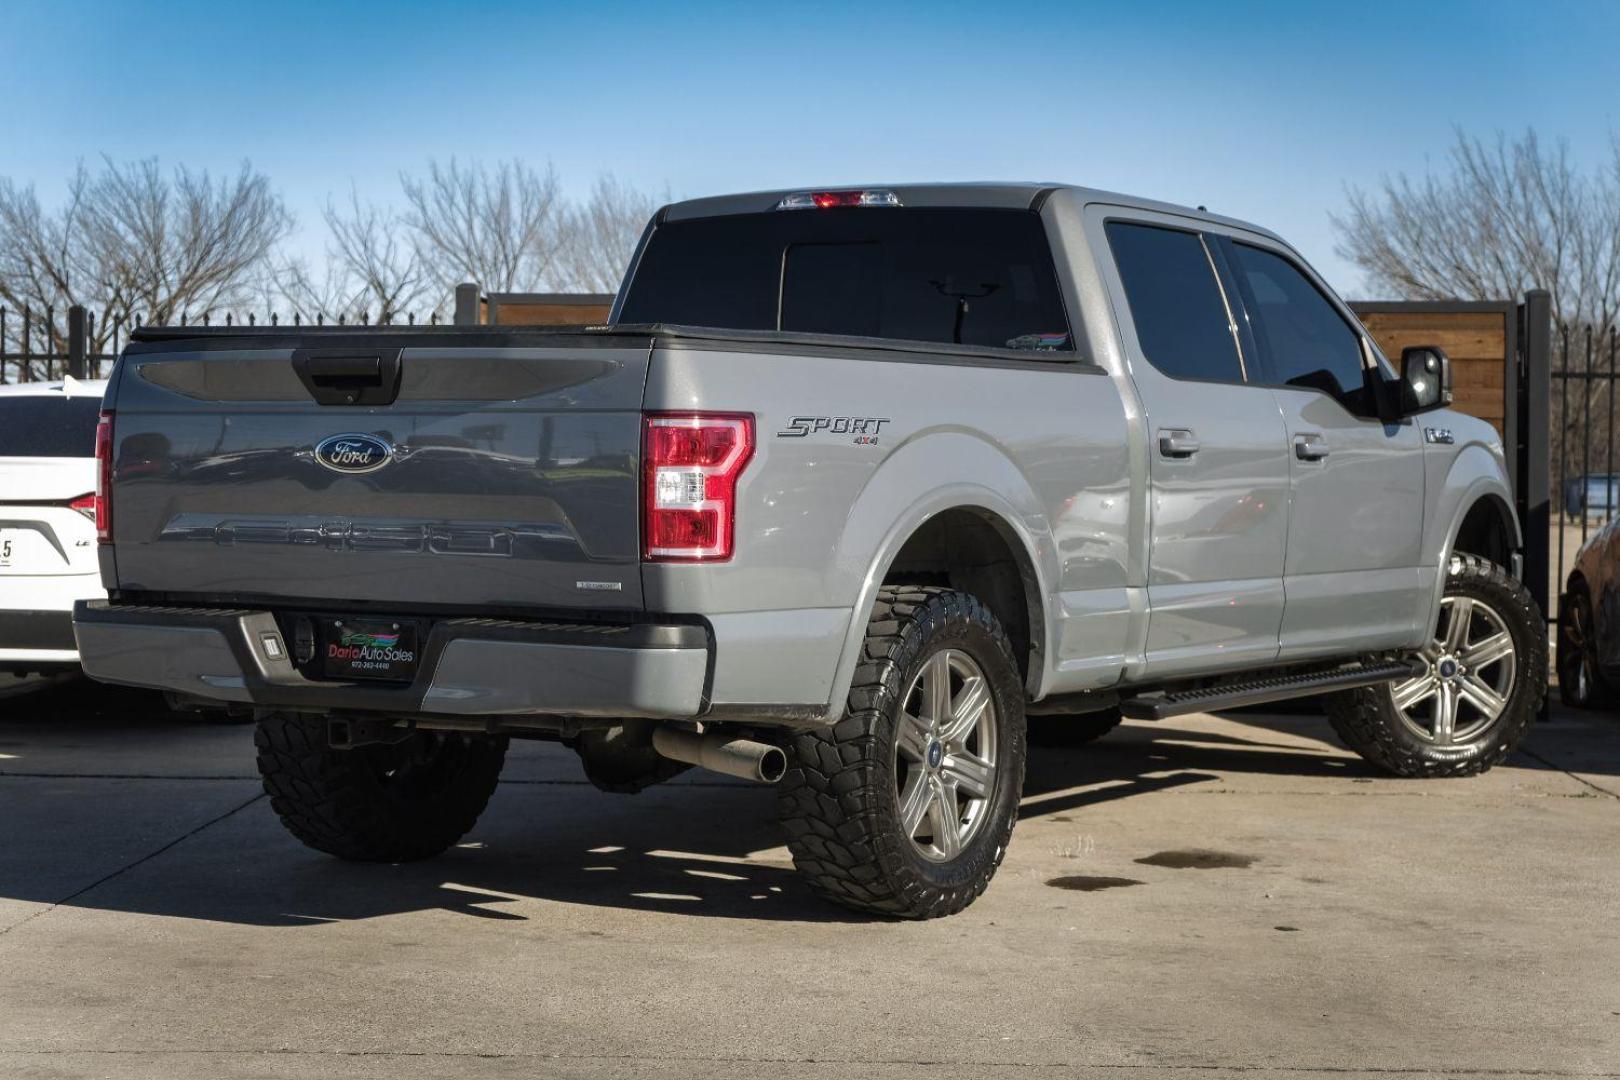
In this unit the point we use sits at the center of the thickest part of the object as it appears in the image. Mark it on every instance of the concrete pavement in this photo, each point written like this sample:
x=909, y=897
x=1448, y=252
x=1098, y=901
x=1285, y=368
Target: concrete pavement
x=1206, y=895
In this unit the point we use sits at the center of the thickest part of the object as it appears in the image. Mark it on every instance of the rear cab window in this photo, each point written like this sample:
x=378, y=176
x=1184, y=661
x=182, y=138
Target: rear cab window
x=963, y=276
x=1181, y=317
x=48, y=425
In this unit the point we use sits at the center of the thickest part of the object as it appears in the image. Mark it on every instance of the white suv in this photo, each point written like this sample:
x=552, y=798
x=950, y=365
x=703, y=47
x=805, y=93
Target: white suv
x=47, y=519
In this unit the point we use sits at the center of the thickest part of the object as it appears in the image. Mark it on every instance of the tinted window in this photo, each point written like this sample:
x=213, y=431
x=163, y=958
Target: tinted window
x=1304, y=339
x=48, y=425
x=978, y=277
x=1175, y=302
x=834, y=288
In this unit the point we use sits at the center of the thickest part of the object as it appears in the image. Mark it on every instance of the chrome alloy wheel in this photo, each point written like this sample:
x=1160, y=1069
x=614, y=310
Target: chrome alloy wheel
x=945, y=755
x=1470, y=677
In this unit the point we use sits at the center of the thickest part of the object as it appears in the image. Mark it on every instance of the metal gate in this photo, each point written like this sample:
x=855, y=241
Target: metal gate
x=1581, y=422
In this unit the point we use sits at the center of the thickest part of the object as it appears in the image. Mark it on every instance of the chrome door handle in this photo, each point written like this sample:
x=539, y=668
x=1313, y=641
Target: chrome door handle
x=1177, y=443
x=1310, y=447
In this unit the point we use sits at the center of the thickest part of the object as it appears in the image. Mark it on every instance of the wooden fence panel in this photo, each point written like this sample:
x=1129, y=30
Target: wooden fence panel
x=1478, y=342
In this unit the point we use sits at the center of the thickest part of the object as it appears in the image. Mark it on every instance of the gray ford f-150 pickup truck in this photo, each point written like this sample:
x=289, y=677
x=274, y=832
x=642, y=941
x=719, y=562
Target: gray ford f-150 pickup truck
x=856, y=488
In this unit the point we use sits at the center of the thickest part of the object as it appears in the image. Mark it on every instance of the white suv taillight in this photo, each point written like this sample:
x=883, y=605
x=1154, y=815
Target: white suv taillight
x=690, y=465
x=104, y=463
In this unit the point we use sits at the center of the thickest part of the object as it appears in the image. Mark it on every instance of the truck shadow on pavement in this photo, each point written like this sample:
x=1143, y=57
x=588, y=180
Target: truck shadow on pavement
x=167, y=820
x=1140, y=758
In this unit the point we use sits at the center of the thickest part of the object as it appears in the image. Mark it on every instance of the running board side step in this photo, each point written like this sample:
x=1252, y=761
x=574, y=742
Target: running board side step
x=1162, y=706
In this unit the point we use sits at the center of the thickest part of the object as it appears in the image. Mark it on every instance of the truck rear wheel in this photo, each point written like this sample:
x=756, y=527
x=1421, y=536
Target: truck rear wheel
x=1485, y=680
x=393, y=803
x=905, y=807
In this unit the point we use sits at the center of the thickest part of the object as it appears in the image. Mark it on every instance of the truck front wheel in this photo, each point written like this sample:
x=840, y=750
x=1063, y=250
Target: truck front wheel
x=905, y=807
x=387, y=803
x=1484, y=680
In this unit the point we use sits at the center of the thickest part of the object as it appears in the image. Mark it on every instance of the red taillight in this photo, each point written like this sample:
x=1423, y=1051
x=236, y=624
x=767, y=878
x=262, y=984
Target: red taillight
x=86, y=505
x=104, y=468
x=690, y=462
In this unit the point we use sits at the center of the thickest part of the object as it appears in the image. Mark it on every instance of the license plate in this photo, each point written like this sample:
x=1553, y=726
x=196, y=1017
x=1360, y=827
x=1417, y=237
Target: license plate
x=368, y=649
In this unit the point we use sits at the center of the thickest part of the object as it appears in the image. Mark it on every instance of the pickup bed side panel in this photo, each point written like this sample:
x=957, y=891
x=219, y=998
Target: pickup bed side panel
x=1041, y=444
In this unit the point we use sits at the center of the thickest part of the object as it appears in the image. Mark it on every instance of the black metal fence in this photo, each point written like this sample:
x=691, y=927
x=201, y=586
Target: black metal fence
x=1582, y=435
x=36, y=345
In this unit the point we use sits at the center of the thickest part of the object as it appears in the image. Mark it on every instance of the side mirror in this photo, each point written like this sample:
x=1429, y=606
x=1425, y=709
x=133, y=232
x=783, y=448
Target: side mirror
x=1425, y=379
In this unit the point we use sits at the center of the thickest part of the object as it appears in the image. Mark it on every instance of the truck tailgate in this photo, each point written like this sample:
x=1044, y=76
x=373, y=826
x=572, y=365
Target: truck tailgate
x=502, y=475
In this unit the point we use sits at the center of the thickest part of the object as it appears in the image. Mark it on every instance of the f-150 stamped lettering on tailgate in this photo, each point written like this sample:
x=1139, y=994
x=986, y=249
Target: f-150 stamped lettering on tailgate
x=432, y=539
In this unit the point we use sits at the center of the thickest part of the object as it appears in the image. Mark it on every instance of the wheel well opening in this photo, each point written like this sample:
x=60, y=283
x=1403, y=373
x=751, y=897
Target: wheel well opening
x=975, y=552
x=1486, y=531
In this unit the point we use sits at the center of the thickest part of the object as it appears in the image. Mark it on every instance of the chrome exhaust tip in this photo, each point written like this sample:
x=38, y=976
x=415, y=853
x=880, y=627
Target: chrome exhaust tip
x=746, y=759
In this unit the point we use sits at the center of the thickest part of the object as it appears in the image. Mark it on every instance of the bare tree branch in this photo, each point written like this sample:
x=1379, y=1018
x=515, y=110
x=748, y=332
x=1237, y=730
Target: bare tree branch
x=327, y=296
x=500, y=228
x=367, y=245
x=600, y=236
x=133, y=241
x=1507, y=216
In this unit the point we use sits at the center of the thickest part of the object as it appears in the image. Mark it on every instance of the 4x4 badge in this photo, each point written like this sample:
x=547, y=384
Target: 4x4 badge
x=353, y=453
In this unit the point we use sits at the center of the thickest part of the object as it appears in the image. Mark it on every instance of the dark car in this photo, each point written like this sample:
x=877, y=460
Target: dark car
x=1589, y=624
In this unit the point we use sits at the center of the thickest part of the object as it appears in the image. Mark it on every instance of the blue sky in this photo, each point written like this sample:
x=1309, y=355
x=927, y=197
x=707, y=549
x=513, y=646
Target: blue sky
x=1261, y=110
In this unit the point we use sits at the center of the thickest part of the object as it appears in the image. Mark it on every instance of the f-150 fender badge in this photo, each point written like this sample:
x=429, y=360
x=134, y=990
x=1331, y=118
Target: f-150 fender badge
x=864, y=428
x=353, y=452
x=1439, y=435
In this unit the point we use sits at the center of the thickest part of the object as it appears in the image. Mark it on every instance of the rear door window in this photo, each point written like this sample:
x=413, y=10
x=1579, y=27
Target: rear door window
x=979, y=277
x=1303, y=339
x=48, y=425
x=1176, y=303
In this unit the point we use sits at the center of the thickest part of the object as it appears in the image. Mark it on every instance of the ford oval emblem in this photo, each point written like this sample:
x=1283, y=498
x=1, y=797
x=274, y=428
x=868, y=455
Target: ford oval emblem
x=353, y=453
